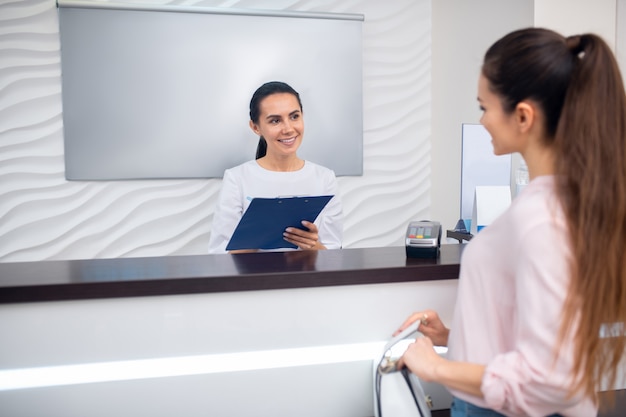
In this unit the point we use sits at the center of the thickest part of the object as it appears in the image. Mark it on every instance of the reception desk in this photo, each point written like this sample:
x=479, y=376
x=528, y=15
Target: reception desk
x=139, y=277
x=280, y=334
x=260, y=334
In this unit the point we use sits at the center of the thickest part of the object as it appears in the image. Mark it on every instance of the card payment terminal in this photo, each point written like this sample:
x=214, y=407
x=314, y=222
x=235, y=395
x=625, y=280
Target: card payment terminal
x=423, y=239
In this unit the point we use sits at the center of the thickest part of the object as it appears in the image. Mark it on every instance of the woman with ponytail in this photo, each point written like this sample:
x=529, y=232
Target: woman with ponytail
x=538, y=326
x=276, y=117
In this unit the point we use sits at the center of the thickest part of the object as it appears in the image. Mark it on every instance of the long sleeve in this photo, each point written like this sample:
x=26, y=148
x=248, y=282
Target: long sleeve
x=247, y=181
x=228, y=212
x=532, y=379
x=331, y=218
x=513, y=283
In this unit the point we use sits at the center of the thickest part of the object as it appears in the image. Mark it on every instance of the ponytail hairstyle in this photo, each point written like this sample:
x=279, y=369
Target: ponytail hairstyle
x=261, y=148
x=577, y=84
x=267, y=89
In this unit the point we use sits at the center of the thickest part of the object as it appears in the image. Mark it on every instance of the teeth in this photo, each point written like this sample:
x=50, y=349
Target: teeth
x=291, y=140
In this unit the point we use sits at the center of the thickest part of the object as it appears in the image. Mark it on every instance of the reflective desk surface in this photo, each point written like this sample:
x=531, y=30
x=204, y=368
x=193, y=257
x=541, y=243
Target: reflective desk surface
x=169, y=275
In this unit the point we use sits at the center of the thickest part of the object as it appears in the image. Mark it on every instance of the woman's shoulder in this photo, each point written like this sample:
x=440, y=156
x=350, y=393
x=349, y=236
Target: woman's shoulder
x=539, y=195
x=538, y=206
x=242, y=168
x=318, y=169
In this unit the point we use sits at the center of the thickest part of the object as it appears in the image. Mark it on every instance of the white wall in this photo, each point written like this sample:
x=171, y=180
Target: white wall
x=571, y=17
x=462, y=32
x=606, y=18
x=43, y=216
x=46, y=217
x=620, y=36
x=411, y=144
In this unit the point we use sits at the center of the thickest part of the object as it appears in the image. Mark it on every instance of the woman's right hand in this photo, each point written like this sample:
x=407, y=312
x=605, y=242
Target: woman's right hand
x=430, y=326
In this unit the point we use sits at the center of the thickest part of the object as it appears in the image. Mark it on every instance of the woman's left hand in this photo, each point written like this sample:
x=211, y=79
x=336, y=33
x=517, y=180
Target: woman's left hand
x=421, y=359
x=304, y=239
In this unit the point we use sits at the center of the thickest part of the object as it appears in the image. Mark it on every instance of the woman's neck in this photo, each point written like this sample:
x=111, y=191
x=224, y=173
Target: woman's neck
x=288, y=164
x=540, y=161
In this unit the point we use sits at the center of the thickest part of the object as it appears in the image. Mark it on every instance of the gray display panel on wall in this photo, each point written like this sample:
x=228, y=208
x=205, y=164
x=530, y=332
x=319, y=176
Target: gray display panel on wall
x=164, y=92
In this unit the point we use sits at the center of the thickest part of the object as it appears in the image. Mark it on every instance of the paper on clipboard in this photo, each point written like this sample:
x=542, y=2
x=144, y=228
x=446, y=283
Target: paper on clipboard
x=265, y=220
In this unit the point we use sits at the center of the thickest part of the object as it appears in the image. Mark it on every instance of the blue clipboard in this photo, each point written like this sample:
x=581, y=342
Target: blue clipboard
x=264, y=222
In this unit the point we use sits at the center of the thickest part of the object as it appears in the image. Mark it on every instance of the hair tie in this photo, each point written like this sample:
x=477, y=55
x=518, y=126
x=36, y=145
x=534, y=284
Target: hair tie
x=574, y=44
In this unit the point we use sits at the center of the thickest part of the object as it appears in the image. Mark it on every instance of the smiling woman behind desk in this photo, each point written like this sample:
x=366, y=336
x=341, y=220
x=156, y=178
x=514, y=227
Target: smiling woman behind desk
x=276, y=116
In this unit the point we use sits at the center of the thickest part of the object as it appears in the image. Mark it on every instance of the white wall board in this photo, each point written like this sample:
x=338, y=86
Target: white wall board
x=480, y=166
x=164, y=91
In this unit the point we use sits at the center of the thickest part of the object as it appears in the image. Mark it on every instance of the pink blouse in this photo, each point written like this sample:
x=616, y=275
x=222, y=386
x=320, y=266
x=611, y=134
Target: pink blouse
x=512, y=288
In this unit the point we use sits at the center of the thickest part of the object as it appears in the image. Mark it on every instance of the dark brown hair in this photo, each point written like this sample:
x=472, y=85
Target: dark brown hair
x=577, y=84
x=267, y=89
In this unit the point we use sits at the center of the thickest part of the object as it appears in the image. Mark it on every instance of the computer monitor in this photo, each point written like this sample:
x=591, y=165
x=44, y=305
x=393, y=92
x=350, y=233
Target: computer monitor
x=479, y=166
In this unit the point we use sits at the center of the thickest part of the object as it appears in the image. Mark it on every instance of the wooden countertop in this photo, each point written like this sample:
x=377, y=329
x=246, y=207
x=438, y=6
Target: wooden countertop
x=169, y=275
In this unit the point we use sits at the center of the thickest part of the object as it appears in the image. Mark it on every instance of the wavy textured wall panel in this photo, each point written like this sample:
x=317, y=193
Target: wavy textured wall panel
x=43, y=216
